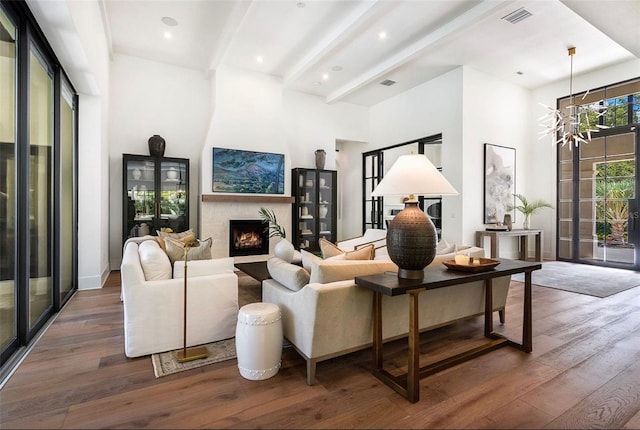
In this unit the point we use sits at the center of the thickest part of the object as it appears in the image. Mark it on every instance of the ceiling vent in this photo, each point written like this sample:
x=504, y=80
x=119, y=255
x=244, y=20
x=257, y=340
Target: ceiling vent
x=517, y=15
x=387, y=82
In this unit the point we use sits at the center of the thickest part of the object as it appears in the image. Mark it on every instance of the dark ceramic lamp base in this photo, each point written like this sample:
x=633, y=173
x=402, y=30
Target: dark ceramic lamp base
x=411, y=241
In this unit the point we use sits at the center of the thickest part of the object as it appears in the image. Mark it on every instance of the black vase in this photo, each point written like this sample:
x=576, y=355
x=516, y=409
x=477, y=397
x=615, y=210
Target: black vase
x=156, y=145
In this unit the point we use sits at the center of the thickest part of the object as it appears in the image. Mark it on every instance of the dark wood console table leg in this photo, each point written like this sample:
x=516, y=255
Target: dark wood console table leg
x=413, y=371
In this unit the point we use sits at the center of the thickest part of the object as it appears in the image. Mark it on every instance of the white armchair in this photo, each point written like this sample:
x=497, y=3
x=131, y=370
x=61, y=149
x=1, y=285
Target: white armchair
x=153, y=310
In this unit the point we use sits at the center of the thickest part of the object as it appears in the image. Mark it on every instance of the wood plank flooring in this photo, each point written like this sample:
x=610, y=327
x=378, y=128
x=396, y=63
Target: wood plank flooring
x=584, y=372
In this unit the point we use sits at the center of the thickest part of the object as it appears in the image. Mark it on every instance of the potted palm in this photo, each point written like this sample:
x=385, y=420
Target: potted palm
x=528, y=208
x=283, y=249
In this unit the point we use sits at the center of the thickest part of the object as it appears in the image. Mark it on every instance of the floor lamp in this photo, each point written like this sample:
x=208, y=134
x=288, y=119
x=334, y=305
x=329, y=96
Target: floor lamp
x=199, y=351
x=411, y=236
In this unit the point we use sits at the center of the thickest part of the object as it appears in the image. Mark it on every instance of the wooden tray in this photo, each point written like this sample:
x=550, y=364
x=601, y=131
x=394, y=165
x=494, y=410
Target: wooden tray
x=484, y=265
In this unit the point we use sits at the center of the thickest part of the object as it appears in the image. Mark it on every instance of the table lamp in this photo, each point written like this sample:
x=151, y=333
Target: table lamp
x=411, y=236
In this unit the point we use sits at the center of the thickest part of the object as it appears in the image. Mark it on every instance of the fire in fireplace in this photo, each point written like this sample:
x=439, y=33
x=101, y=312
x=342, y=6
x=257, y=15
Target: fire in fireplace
x=248, y=237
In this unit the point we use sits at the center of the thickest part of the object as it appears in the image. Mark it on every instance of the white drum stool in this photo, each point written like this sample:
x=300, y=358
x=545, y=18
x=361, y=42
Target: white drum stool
x=259, y=340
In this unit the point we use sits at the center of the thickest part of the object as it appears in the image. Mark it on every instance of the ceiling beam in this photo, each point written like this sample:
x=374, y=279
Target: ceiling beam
x=231, y=28
x=357, y=18
x=450, y=28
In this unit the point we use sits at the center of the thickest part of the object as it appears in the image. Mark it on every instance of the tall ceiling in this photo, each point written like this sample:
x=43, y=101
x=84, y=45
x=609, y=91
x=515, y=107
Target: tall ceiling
x=333, y=48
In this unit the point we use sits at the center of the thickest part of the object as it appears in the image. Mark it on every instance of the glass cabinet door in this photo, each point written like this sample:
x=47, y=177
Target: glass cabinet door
x=141, y=196
x=173, y=195
x=306, y=209
x=326, y=220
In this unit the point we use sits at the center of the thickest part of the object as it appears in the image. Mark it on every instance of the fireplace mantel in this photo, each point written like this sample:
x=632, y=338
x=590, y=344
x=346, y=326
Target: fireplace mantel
x=243, y=198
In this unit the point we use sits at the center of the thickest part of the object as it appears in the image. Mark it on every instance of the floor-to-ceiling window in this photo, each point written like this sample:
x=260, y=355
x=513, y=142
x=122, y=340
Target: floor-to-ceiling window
x=38, y=147
x=8, y=291
x=598, y=181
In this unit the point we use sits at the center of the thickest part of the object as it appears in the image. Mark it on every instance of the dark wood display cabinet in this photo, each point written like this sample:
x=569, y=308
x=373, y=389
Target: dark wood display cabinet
x=155, y=194
x=314, y=213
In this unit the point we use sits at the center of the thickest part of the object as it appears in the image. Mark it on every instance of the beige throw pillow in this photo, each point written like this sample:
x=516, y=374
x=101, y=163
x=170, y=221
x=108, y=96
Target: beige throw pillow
x=308, y=259
x=329, y=250
x=183, y=238
x=175, y=250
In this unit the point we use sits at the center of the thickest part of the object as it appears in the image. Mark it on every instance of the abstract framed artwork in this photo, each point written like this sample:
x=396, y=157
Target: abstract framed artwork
x=499, y=182
x=251, y=172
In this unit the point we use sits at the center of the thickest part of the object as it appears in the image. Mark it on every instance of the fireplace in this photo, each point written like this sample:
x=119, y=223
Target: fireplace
x=248, y=237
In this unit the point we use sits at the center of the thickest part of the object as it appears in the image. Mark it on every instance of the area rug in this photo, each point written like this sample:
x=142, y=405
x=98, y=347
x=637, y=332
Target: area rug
x=583, y=278
x=166, y=363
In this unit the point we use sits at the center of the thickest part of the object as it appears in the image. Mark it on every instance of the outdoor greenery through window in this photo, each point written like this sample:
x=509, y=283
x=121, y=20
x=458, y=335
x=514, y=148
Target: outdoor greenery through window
x=614, y=188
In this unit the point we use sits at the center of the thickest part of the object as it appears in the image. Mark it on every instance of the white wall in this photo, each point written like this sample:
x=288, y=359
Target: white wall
x=93, y=136
x=495, y=112
x=428, y=109
x=469, y=108
x=147, y=98
x=254, y=112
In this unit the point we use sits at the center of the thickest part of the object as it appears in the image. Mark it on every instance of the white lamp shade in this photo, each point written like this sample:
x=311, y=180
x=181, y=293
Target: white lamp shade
x=414, y=174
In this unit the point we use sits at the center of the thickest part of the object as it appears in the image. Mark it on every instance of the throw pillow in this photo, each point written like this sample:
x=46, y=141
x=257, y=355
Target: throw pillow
x=328, y=249
x=175, y=250
x=362, y=253
x=289, y=275
x=155, y=263
x=184, y=238
x=324, y=272
x=163, y=234
x=308, y=259
x=444, y=247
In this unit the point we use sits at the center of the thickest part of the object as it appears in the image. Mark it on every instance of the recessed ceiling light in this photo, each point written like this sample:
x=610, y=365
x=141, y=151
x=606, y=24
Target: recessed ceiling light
x=519, y=73
x=167, y=20
x=337, y=68
x=325, y=76
x=382, y=35
x=259, y=59
x=167, y=35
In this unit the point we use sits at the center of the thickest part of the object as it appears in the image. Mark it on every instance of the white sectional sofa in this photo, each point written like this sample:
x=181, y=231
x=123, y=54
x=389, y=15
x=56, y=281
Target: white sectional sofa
x=153, y=309
x=325, y=314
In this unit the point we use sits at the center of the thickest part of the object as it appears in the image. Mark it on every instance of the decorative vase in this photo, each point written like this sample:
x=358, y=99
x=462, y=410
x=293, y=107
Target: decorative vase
x=525, y=223
x=323, y=211
x=321, y=156
x=507, y=221
x=136, y=174
x=156, y=145
x=284, y=250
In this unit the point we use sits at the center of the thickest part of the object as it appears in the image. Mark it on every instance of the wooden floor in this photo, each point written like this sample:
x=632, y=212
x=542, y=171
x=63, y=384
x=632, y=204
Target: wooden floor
x=584, y=373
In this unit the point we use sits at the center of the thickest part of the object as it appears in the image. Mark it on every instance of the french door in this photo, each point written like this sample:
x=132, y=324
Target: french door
x=598, y=200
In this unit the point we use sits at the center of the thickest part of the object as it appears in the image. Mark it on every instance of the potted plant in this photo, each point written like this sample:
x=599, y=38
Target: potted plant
x=283, y=249
x=528, y=208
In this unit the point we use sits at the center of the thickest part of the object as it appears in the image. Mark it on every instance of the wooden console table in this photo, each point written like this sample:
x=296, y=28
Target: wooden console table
x=523, y=241
x=438, y=277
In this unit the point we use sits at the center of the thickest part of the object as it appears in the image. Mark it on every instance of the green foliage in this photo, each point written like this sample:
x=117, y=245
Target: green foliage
x=528, y=207
x=274, y=228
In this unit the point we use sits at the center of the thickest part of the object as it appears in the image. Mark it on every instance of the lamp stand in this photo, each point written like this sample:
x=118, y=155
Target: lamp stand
x=411, y=240
x=199, y=351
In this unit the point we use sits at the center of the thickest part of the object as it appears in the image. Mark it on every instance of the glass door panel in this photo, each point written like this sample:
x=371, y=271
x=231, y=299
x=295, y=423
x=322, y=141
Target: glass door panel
x=327, y=224
x=141, y=196
x=40, y=190
x=8, y=308
x=173, y=195
x=607, y=190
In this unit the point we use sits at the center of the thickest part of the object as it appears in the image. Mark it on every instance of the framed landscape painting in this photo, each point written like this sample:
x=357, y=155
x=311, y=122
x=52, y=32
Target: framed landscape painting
x=252, y=172
x=499, y=181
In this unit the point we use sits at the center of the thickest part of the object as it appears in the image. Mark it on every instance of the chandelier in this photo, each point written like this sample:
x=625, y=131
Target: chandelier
x=574, y=126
